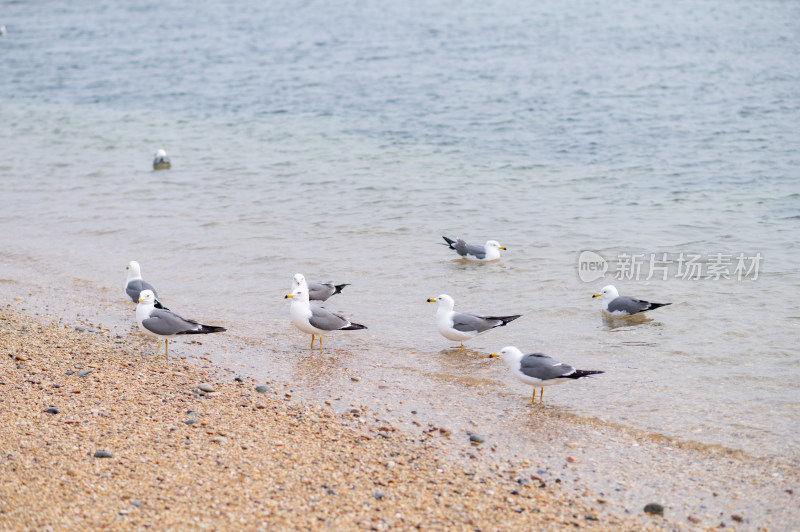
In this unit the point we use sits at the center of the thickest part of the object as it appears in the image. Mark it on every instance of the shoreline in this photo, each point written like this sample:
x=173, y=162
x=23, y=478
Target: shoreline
x=610, y=468
x=228, y=458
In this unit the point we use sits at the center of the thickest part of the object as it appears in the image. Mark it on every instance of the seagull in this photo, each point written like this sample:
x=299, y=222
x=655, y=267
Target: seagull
x=161, y=162
x=135, y=285
x=538, y=369
x=163, y=323
x=617, y=305
x=487, y=252
x=316, y=320
x=460, y=326
x=318, y=291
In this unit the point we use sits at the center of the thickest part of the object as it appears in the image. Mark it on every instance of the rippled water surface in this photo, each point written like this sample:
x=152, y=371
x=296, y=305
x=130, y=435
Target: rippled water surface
x=342, y=140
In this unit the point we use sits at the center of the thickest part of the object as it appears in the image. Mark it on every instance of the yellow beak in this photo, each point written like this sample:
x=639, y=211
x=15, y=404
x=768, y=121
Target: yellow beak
x=431, y=300
x=595, y=295
x=140, y=300
x=503, y=248
x=494, y=355
x=287, y=296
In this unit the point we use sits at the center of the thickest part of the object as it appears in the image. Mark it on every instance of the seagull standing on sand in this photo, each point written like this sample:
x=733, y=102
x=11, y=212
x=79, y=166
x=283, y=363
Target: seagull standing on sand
x=318, y=291
x=316, y=320
x=161, y=162
x=618, y=305
x=163, y=323
x=461, y=326
x=487, y=252
x=135, y=284
x=538, y=369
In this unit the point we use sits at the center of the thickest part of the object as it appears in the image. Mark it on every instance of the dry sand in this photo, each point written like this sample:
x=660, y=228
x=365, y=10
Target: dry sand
x=95, y=434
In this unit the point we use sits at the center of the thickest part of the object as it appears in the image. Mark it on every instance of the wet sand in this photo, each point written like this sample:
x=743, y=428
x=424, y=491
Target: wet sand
x=97, y=434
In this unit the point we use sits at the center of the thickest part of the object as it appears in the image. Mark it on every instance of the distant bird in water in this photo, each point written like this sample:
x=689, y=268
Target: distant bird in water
x=487, y=252
x=618, y=305
x=161, y=162
x=2, y=30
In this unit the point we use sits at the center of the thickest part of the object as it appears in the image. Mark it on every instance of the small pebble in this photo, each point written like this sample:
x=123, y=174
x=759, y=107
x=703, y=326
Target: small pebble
x=190, y=421
x=206, y=387
x=355, y=379
x=239, y=379
x=738, y=518
x=102, y=454
x=262, y=388
x=20, y=357
x=572, y=460
x=136, y=503
x=84, y=373
x=51, y=411
x=378, y=495
x=654, y=508
x=477, y=438
x=693, y=519
x=69, y=372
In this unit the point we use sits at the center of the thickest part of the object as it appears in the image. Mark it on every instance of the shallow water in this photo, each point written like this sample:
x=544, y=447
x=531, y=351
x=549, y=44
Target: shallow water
x=343, y=141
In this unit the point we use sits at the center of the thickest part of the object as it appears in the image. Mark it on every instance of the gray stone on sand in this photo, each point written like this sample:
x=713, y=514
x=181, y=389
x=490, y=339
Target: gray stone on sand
x=654, y=508
x=51, y=410
x=102, y=454
x=262, y=388
x=84, y=373
x=476, y=438
x=206, y=387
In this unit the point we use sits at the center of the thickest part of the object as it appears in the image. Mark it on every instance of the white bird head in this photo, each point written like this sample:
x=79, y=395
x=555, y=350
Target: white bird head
x=298, y=281
x=298, y=294
x=134, y=272
x=607, y=293
x=494, y=244
x=444, y=301
x=147, y=297
x=509, y=354
x=161, y=153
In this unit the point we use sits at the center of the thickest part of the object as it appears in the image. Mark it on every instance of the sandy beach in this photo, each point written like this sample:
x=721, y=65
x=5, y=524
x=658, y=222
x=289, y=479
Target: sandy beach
x=97, y=434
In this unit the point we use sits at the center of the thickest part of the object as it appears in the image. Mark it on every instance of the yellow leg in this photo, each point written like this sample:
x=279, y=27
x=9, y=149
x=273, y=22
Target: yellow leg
x=312, y=342
x=158, y=347
x=320, y=342
x=533, y=399
x=166, y=348
x=541, y=395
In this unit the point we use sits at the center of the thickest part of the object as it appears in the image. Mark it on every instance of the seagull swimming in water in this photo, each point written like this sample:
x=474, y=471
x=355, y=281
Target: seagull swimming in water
x=163, y=323
x=539, y=370
x=487, y=252
x=618, y=305
x=161, y=162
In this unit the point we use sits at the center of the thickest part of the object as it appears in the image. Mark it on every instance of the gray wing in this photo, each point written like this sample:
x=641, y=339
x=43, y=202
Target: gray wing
x=134, y=288
x=628, y=304
x=542, y=367
x=324, y=319
x=320, y=291
x=465, y=249
x=471, y=323
x=167, y=323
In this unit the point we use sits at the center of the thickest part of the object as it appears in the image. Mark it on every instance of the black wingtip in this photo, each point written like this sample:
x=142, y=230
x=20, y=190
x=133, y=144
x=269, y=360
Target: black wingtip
x=339, y=288
x=450, y=242
x=212, y=329
x=583, y=373
x=353, y=327
x=504, y=319
x=158, y=304
x=654, y=306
